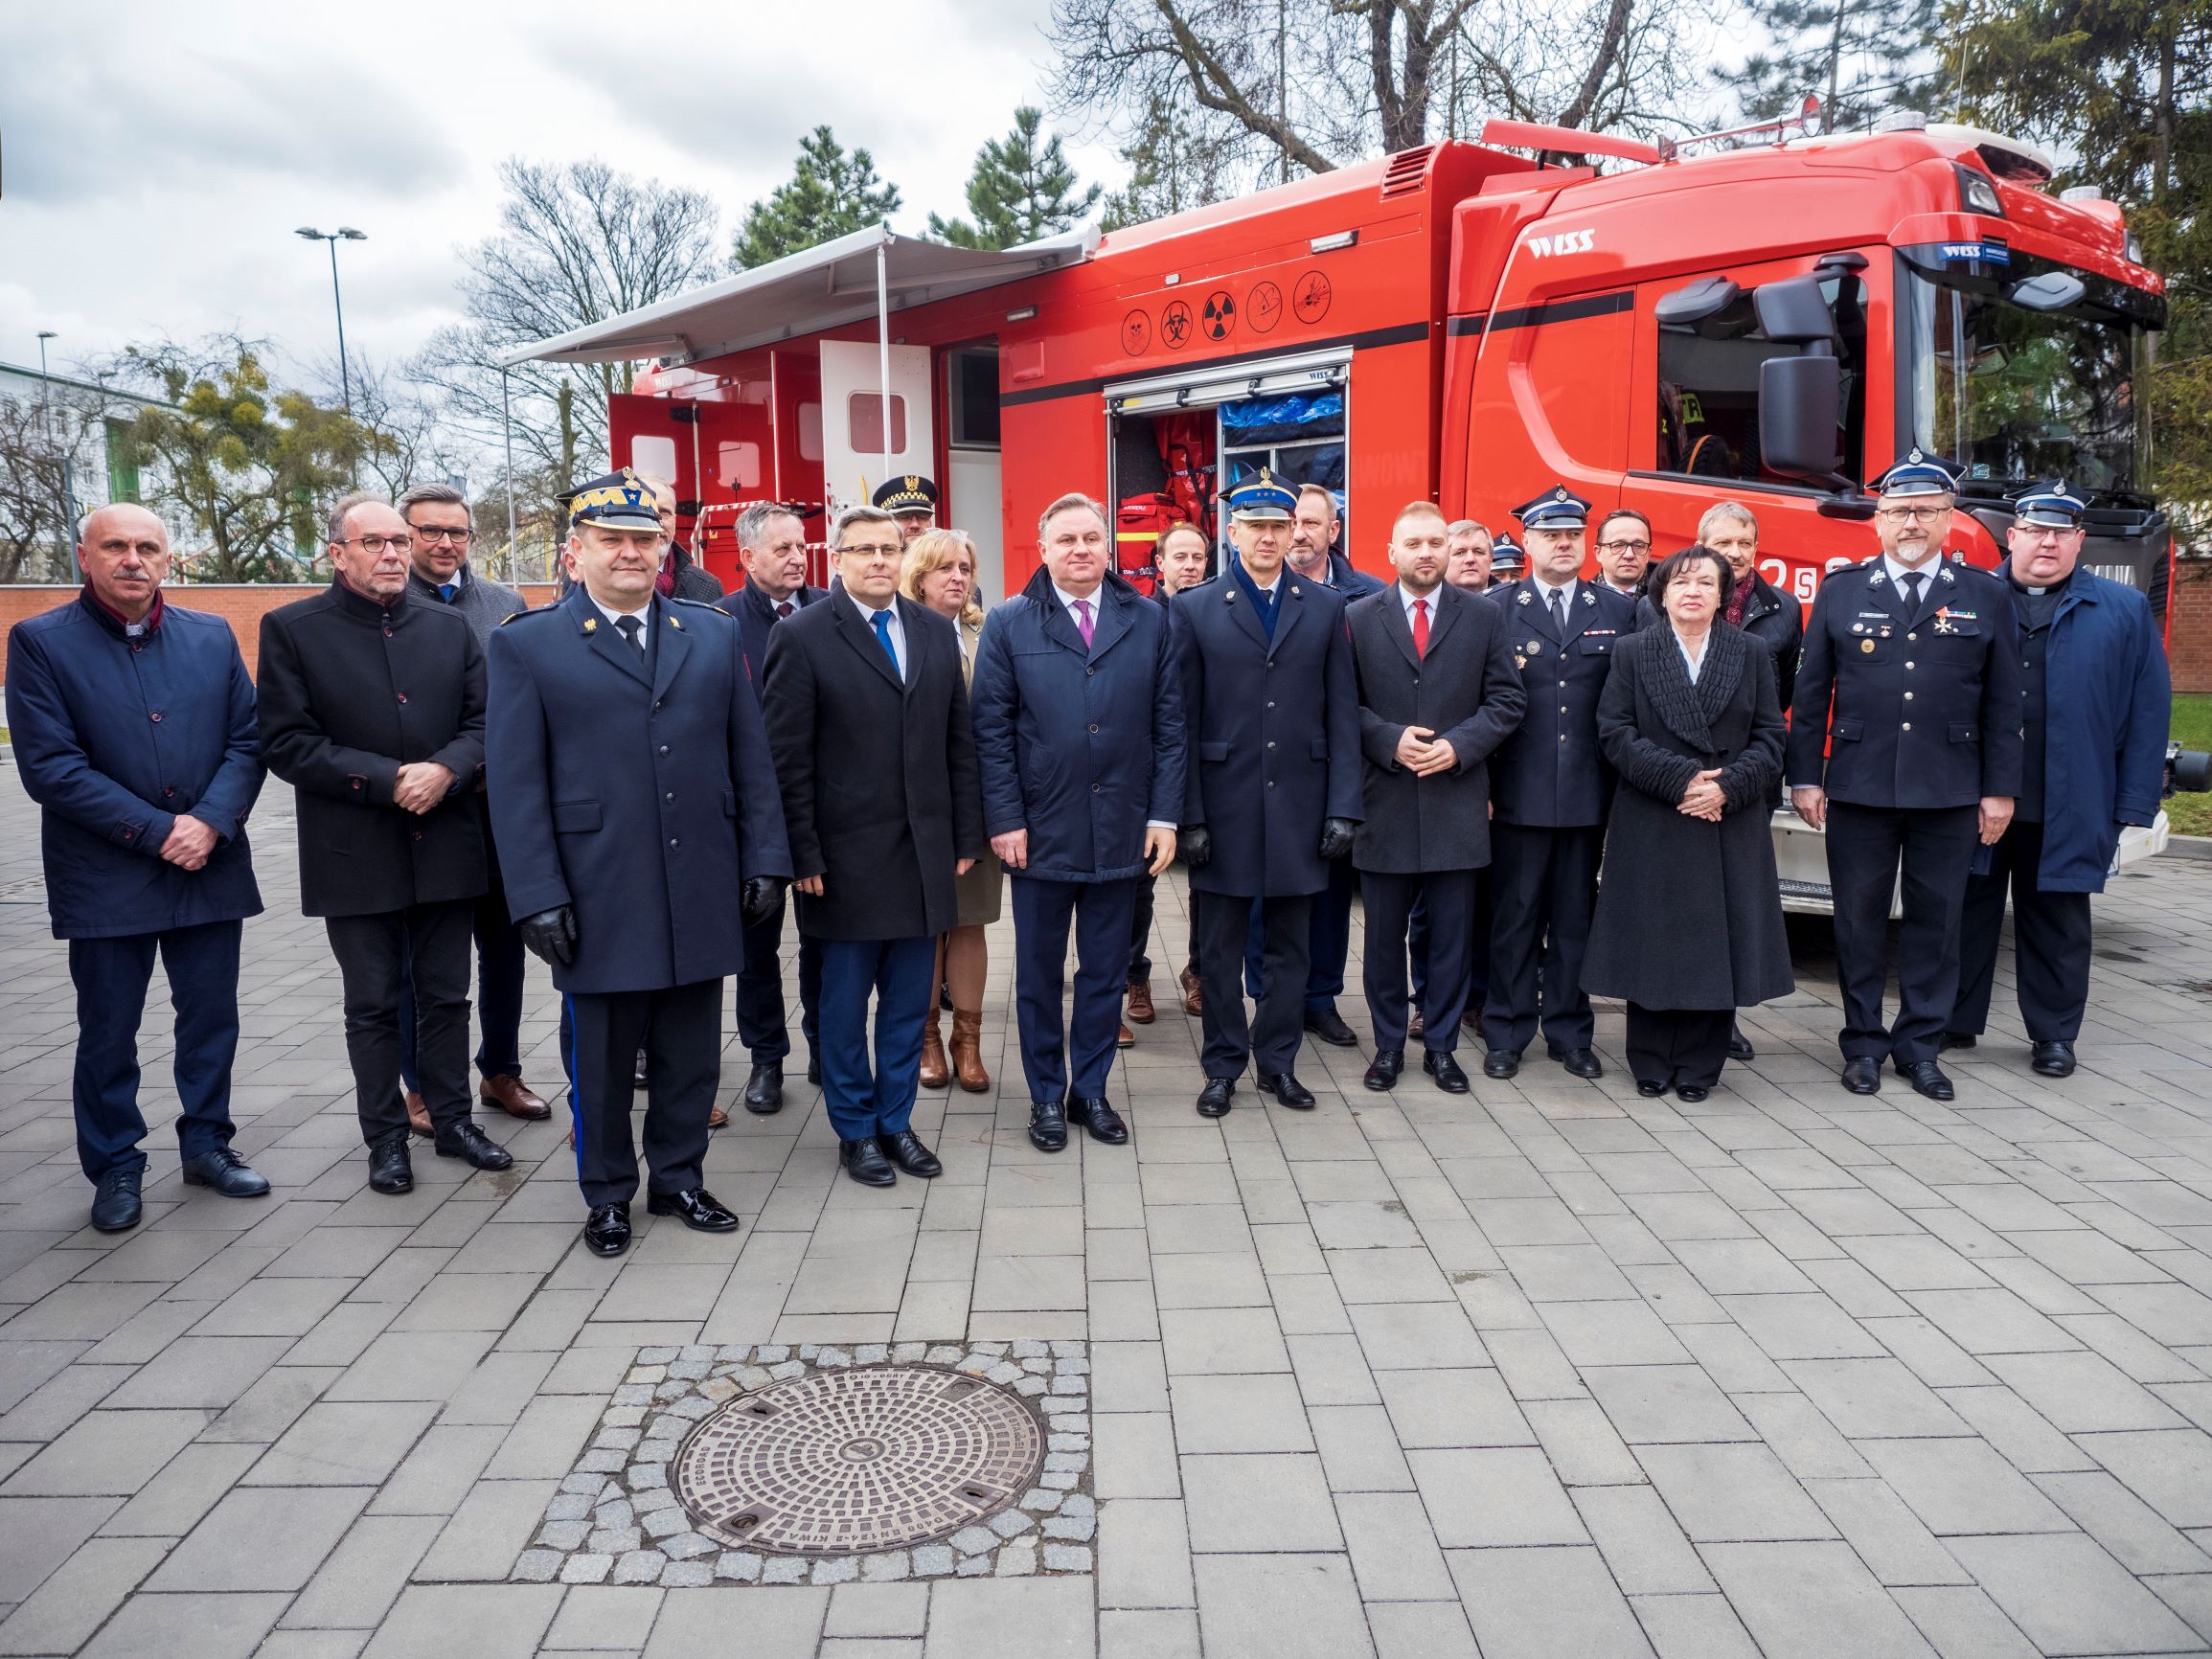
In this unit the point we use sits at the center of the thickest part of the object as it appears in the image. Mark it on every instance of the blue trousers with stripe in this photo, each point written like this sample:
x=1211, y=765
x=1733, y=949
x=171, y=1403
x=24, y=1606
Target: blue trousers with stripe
x=680, y=1029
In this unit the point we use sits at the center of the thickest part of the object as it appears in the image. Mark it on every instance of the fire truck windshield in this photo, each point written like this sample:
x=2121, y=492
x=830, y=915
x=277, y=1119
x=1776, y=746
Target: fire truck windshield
x=2014, y=393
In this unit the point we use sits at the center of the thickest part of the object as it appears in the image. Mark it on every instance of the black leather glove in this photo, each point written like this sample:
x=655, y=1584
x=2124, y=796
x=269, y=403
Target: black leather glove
x=1194, y=846
x=761, y=895
x=551, y=935
x=1336, y=837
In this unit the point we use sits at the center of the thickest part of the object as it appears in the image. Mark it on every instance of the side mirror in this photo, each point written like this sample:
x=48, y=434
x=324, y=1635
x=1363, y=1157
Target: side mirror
x=1793, y=311
x=1798, y=397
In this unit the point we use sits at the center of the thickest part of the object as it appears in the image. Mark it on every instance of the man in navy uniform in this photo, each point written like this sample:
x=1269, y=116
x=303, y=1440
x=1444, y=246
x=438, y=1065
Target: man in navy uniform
x=867, y=715
x=1551, y=788
x=1271, y=718
x=772, y=548
x=1079, y=731
x=1911, y=683
x=912, y=500
x=639, y=831
x=2095, y=701
x=133, y=728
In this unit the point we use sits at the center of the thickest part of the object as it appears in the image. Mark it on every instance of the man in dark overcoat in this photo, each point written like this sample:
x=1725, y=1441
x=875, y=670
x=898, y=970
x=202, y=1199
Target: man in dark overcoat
x=1911, y=683
x=1272, y=720
x=1079, y=733
x=133, y=729
x=372, y=708
x=772, y=548
x=867, y=714
x=1552, y=788
x=1438, y=693
x=638, y=816
x=1179, y=560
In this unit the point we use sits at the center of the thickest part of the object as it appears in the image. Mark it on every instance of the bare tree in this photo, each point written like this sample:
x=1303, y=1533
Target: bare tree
x=413, y=435
x=36, y=437
x=576, y=244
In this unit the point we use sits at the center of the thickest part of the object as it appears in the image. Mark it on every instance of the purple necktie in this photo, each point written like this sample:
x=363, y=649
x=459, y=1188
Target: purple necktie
x=1083, y=621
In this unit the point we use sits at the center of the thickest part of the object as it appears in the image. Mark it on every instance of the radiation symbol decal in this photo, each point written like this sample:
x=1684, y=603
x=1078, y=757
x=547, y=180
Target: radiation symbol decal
x=1220, y=316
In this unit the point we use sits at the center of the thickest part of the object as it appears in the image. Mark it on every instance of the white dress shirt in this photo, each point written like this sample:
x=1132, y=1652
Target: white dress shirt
x=1897, y=573
x=1406, y=601
x=898, y=628
x=643, y=613
x=1566, y=590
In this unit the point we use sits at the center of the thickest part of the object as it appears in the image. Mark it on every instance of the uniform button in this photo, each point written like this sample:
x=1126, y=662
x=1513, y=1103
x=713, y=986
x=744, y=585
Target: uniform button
x=1908, y=668
x=664, y=748
x=1562, y=735
x=1096, y=787
x=1908, y=696
x=672, y=795
x=1094, y=725
x=1270, y=782
x=1563, y=709
x=672, y=840
x=1908, y=726
x=1270, y=742
x=1912, y=636
x=403, y=697
x=1562, y=685
x=1270, y=705
x=155, y=717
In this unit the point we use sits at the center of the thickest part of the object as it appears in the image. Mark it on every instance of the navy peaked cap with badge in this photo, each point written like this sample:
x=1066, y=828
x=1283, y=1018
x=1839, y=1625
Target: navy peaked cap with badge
x=909, y=492
x=1558, y=508
x=616, y=501
x=1919, y=473
x=1504, y=554
x=2051, y=504
x=1262, y=500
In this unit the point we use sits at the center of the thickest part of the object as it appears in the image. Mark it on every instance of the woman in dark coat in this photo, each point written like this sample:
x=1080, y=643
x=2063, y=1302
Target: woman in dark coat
x=1689, y=918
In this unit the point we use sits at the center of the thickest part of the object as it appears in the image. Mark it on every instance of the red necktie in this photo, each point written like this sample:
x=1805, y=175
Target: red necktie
x=1421, y=628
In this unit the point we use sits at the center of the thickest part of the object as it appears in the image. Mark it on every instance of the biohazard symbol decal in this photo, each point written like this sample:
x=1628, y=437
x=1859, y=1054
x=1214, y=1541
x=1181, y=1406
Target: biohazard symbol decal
x=1262, y=306
x=1220, y=316
x=1176, y=324
x=1137, y=333
x=1310, y=298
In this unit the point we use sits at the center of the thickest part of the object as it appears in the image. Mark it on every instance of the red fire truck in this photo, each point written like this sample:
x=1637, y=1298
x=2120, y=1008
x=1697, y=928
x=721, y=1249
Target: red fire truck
x=1464, y=323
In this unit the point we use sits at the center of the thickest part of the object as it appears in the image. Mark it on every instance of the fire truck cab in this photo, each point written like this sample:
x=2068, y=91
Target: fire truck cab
x=1461, y=323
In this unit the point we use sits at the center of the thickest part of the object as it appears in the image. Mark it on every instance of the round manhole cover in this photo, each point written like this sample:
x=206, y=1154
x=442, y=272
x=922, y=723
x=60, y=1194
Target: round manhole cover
x=849, y=1462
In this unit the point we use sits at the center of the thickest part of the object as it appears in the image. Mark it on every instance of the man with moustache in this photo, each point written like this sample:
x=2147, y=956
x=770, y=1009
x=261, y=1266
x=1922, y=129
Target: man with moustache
x=1179, y=562
x=2095, y=701
x=1911, y=685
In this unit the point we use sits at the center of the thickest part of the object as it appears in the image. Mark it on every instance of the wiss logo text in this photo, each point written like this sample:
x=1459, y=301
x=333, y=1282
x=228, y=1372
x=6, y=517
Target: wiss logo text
x=1563, y=242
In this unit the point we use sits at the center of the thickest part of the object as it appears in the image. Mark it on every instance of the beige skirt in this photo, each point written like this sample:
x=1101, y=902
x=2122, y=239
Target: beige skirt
x=979, y=892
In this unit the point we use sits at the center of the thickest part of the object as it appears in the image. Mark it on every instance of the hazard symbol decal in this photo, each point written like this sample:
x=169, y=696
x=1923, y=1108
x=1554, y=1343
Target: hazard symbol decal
x=1137, y=334
x=1262, y=308
x=1219, y=317
x=1310, y=296
x=1176, y=324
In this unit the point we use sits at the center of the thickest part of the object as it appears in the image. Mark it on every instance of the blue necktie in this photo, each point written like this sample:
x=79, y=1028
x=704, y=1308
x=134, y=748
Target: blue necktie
x=881, y=620
x=446, y=591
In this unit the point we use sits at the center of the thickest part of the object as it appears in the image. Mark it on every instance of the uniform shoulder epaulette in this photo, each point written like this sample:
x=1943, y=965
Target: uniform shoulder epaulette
x=533, y=610
x=698, y=605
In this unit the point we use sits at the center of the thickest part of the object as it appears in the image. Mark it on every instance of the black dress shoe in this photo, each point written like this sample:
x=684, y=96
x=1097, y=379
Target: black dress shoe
x=1500, y=1063
x=466, y=1141
x=2054, y=1060
x=1862, y=1074
x=1214, y=1097
x=390, y=1169
x=607, y=1230
x=1740, y=1046
x=1329, y=1026
x=1581, y=1063
x=764, y=1088
x=864, y=1161
x=814, y=1069
x=1444, y=1069
x=115, y=1202
x=1651, y=1091
x=1383, y=1069
x=1048, y=1125
x=228, y=1173
x=1927, y=1079
x=1692, y=1093
x=1955, y=1039
x=1100, y=1120
x=906, y=1150
x=698, y=1207
x=1287, y=1089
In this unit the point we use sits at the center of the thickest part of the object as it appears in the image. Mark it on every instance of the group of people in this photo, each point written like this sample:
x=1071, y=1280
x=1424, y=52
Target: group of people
x=630, y=783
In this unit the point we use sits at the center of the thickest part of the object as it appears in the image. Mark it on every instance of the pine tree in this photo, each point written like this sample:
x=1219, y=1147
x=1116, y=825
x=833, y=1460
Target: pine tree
x=1020, y=190
x=831, y=194
x=1860, y=57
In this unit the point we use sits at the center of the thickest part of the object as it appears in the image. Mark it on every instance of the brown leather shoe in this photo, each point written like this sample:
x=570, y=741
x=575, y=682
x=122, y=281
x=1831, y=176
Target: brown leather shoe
x=936, y=1073
x=419, y=1115
x=513, y=1096
x=1126, y=1038
x=1413, y=1024
x=1194, y=999
x=1141, y=1010
x=968, y=1050
x=717, y=1118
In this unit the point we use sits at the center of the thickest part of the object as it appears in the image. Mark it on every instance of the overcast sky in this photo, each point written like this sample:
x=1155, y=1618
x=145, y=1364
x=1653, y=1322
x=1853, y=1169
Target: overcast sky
x=155, y=158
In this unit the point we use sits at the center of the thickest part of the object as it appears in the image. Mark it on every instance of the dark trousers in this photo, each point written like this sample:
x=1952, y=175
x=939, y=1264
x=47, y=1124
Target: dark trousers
x=1390, y=899
x=1866, y=846
x=1043, y=911
x=1328, y=943
x=500, y=969
x=1544, y=890
x=2050, y=943
x=1681, y=1047
x=680, y=1028
x=1278, y=1025
x=865, y=1100
x=1141, y=934
x=111, y=976
x=1417, y=937
x=762, y=1025
x=374, y=953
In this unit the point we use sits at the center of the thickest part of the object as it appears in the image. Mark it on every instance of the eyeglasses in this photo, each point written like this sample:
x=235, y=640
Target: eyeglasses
x=374, y=545
x=434, y=534
x=1915, y=514
x=1624, y=547
x=873, y=548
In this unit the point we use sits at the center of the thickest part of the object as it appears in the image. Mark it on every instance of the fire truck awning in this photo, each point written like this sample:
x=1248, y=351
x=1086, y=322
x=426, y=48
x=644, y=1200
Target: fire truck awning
x=803, y=293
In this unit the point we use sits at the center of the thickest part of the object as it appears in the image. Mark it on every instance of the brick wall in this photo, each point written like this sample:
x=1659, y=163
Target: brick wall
x=2189, y=638
x=241, y=604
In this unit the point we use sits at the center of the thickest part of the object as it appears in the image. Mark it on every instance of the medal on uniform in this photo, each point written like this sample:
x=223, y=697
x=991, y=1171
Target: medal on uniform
x=1535, y=648
x=1866, y=645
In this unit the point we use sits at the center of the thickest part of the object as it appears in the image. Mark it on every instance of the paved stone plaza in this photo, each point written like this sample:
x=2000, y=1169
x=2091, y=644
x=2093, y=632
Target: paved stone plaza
x=1550, y=1373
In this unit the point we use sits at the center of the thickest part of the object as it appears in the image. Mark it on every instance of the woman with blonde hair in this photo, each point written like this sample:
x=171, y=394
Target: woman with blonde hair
x=940, y=573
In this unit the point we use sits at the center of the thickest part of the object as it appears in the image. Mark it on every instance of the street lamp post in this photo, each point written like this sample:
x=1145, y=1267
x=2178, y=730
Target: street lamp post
x=46, y=431
x=343, y=232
